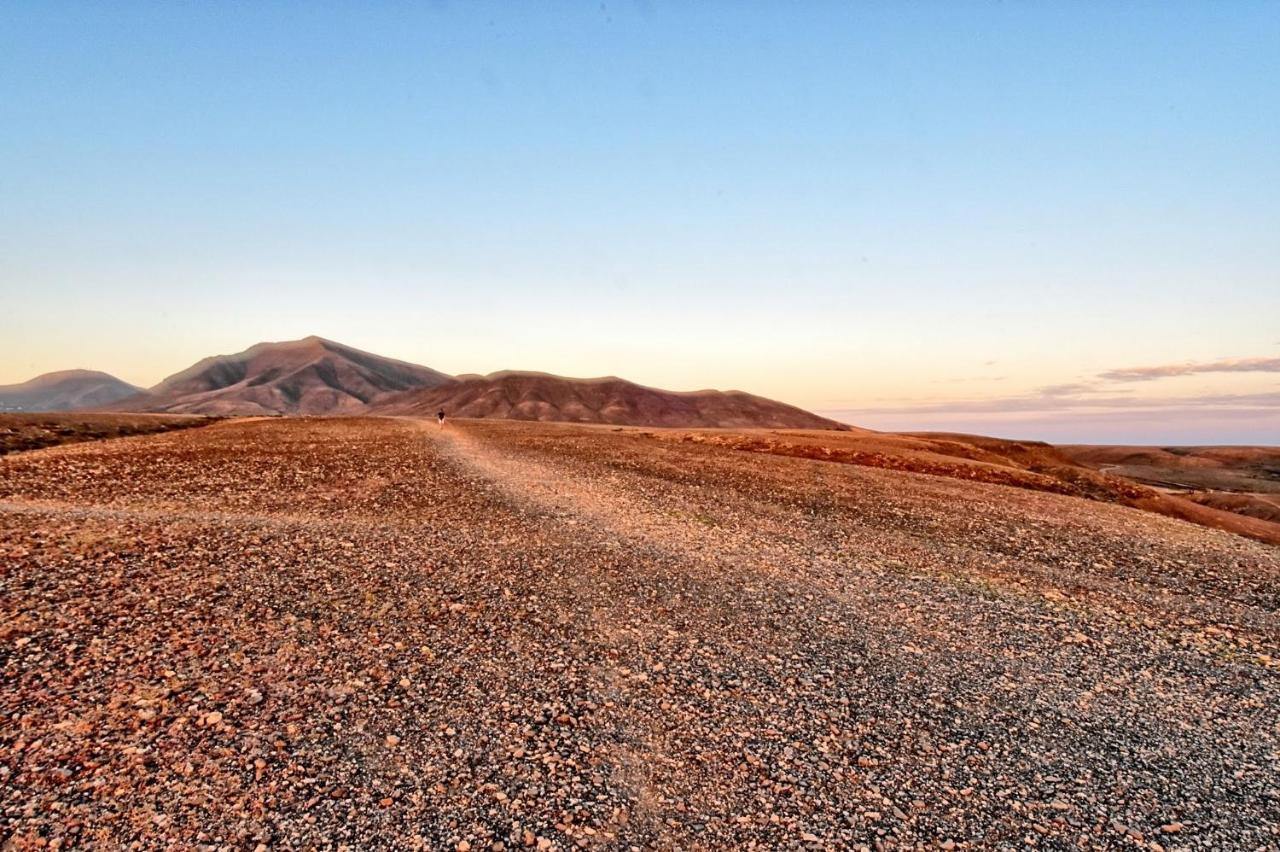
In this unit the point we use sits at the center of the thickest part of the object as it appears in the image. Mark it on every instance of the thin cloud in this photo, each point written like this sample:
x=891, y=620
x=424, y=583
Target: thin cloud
x=1069, y=389
x=1099, y=396
x=1047, y=403
x=1164, y=371
x=1191, y=425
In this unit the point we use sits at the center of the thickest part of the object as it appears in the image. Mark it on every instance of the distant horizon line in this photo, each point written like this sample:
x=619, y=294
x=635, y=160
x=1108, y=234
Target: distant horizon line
x=1056, y=414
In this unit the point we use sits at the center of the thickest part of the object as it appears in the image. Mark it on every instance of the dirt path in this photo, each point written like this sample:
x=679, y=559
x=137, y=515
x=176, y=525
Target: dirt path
x=309, y=633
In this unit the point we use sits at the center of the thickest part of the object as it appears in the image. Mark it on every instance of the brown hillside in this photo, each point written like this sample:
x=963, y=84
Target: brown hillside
x=1265, y=507
x=1028, y=465
x=1240, y=480
x=538, y=396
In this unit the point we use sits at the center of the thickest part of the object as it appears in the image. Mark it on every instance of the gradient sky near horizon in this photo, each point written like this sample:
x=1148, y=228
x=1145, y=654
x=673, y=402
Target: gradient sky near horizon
x=1043, y=220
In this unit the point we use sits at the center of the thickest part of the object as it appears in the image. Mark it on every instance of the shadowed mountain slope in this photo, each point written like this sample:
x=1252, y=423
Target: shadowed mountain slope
x=539, y=396
x=64, y=391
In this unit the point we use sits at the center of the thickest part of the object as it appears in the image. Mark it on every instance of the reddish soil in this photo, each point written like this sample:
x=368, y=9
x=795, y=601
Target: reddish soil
x=1265, y=507
x=1240, y=469
x=311, y=633
x=1021, y=464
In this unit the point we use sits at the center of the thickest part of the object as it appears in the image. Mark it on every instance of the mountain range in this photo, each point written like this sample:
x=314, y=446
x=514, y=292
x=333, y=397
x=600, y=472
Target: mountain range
x=512, y=395
x=315, y=376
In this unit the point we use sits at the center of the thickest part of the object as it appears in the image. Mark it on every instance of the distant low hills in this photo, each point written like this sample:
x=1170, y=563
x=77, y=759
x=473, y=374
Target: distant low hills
x=315, y=376
x=1243, y=480
x=1033, y=466
x=537, y=396
x=65, y=391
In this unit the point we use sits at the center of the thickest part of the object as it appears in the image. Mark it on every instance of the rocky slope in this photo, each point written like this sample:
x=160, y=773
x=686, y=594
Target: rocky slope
x=1030, y=465
x=374, y=632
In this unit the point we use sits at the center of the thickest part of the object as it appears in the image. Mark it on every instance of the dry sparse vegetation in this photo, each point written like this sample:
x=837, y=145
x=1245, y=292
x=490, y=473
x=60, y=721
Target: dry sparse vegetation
x=20, y=432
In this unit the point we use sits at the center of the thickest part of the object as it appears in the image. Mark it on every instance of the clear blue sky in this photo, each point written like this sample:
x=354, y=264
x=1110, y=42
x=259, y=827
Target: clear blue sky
x=925, y=214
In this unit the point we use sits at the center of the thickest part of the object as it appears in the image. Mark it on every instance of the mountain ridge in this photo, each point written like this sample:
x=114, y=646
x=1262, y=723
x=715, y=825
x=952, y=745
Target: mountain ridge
x=522, y=395
x=318, y=376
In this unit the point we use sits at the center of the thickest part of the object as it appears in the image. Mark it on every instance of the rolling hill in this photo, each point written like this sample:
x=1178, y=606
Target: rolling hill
x=1241, y=469
x=64, y=391
x=514, y=395
x=1243, y=480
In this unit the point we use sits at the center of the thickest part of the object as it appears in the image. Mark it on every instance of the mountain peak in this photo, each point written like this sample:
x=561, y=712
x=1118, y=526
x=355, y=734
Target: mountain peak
x=63, y=375
x=312, y=341
x=312, y=375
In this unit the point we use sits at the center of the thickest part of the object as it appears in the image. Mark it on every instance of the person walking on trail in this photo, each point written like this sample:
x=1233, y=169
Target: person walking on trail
x=440, y=418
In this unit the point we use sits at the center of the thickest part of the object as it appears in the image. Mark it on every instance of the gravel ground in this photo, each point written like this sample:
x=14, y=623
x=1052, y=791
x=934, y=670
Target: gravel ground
x=373, y=633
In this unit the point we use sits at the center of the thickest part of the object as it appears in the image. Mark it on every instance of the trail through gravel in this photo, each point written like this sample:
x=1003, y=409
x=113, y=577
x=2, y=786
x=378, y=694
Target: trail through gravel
x=379, y=634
